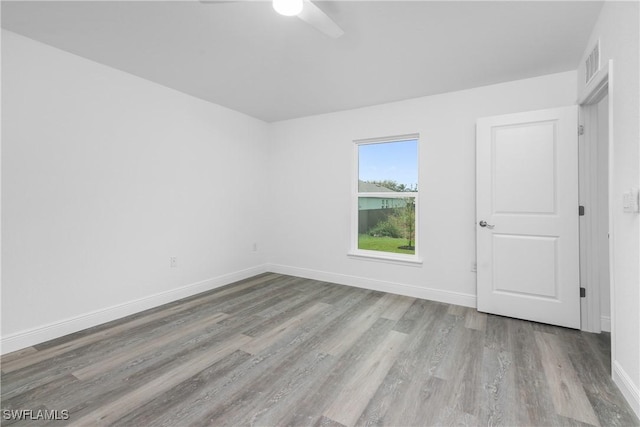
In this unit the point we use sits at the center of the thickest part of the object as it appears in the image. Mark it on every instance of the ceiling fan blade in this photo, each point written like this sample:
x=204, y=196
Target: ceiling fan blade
x=314, y=16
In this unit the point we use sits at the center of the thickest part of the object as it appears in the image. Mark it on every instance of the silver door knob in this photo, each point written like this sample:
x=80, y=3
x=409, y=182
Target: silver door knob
x=483, y=223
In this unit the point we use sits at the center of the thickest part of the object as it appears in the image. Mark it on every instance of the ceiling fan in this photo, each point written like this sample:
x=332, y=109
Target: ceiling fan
x=306, y=11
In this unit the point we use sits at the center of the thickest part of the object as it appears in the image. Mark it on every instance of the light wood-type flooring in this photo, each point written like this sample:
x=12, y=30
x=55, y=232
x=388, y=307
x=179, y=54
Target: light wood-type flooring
x=277, y=350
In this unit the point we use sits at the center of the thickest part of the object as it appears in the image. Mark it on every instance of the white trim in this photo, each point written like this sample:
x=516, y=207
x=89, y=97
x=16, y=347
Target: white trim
x=612, y=234
x=388, y=195
x=389, y=257
x=449, y=297
x=605, y=323
x=597, y=88
x=395, y=138
x=590, y=251
x=40, y=334
x=626, y=386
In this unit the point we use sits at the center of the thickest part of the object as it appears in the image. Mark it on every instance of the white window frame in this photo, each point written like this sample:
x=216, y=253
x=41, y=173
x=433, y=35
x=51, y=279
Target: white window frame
x=356, y=252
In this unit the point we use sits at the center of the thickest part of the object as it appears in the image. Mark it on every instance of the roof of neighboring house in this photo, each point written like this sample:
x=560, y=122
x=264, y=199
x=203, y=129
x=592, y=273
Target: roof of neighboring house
x=368, y=187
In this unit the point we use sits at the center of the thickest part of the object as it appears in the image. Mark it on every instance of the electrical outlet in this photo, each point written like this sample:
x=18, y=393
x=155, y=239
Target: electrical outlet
x=254, y=248
x=173, y=262
x=474, y=267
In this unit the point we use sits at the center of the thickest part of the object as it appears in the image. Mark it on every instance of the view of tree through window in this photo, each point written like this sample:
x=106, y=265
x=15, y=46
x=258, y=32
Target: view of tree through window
x=387, y=196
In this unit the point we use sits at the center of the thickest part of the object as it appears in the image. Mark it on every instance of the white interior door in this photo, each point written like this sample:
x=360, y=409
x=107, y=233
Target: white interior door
x=527, y=216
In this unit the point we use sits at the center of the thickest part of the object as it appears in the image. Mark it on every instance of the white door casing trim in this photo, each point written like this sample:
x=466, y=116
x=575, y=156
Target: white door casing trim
x=599, y=87
x=589, y=197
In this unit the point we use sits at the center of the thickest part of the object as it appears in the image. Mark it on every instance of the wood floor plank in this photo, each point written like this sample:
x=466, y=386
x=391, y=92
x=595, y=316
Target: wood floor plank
x=90, y=395
x=534, y=405
x=114, y=383
x=440, y=364
x=414, y=317
x=37, y=396
x=419, y=403
x=132, y=352
x=461, y=370
x=497, y=335
x=339, y=294
x=169, y=403
x=115, y=410
x=567, y=392
x=523, y=346
x=327, y=422
x=284, y=310
x=279, y=392
x=16, y=355
x=272, y=375
x=497, y=390
x=258, y=344
x=399, y=305
x=570, y=422
x=457, y=310
x=475, y=320
x=395, y=403
x=352, y=332
x=451, y=416
x=289, y=402
x=312, y=405
x=355, y=395
x=258, y=299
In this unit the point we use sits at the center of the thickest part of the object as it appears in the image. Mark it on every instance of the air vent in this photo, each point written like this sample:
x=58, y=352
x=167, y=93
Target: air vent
x=592, y=64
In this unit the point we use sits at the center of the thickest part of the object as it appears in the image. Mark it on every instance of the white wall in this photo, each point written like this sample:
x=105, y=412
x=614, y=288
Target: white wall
x=104, y=177
x=311, y=161
x=617, y=29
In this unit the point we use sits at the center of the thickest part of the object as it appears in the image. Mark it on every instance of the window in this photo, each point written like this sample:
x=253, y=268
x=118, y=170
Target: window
x=386, y=198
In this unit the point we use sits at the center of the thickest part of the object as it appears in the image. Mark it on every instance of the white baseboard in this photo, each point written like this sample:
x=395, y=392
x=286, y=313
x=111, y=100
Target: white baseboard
x=605, y=323
x=627, y=387
x=40, y=334
x=457, y=298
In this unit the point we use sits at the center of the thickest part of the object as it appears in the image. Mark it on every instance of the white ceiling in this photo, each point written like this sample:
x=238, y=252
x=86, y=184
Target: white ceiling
x=244, y=56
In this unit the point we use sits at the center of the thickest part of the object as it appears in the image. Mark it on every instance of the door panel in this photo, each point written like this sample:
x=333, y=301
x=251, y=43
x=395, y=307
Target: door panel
x=527, y=193
x=518, y=273
x=524, y=163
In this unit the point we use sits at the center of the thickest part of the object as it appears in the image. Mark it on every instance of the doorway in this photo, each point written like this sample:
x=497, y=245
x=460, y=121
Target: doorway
x=594, y=155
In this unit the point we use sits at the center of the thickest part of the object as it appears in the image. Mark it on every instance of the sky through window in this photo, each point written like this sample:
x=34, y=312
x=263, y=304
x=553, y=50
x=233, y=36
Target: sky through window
x=393, y=161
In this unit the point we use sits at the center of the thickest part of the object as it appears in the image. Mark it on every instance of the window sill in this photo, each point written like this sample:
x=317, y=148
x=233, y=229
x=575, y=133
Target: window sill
x=383, y=257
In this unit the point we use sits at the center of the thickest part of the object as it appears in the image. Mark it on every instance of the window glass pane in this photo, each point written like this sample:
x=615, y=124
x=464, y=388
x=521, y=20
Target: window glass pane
x=387, y=225
x=388, y=167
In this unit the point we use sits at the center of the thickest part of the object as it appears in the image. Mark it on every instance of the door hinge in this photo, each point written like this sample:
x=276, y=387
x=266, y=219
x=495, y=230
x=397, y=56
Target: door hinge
x=580, y=129
x=580, y=210
x=583, y=292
